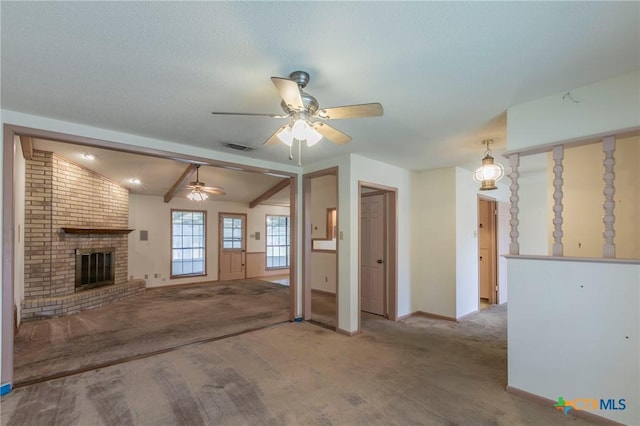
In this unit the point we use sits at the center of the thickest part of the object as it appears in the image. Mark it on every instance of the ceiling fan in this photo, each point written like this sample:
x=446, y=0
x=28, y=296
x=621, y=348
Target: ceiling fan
x=306, y=118
x=199, y=191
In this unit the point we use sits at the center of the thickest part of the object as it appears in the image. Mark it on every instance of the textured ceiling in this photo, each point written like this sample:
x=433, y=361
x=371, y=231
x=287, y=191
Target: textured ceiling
x=157, y=175
x=444, y=71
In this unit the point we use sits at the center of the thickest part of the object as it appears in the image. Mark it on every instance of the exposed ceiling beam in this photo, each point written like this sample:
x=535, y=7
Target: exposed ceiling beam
x=181, y=182
x=270, y=192
x=27, y=147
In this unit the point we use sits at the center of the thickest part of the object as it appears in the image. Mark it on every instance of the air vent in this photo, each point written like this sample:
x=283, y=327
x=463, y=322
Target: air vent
x=238, y=146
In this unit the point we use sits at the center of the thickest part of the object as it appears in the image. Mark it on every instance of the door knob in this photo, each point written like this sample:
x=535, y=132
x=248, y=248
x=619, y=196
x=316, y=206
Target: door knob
x=379, y=260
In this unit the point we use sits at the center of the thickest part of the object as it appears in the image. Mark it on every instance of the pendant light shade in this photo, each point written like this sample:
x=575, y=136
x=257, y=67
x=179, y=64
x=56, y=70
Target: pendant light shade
x=489, y=172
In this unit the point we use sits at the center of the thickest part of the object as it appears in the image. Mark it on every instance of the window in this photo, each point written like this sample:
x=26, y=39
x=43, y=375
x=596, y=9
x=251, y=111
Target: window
x=188, y=235
x=278, y=242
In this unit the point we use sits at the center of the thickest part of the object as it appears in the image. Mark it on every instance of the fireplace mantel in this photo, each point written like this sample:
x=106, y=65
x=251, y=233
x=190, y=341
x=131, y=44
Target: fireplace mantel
x=88, y=231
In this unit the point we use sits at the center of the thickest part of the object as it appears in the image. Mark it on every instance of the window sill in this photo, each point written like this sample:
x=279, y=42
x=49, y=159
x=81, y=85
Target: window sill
x=174, y=277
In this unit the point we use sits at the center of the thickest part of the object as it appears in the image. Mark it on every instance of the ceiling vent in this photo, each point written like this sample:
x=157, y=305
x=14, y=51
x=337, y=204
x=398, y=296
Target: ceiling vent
x=238, y=146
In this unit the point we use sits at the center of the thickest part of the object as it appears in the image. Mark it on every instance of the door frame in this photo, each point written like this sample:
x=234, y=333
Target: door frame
x=307, y=241
x=493, y=298
x=244, y=241
x=391, y=247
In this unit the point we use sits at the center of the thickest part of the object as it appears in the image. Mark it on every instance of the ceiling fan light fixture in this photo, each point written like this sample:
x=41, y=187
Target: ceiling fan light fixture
x=489, y=172
x=313, y=137
x=302, y=131
x=286, y=136
x=197, y=195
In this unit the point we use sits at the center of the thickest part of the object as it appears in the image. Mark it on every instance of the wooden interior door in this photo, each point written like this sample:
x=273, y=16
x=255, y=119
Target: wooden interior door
x=231, y=264
x=487, y=249
x=372, y=253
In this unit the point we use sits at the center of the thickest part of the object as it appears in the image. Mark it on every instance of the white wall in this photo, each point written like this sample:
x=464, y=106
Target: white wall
x=466, y=240
x=604, y=106
x=574, y=329
x=153, y=257
x=351, y=170
x=376, y=172
x=18, y=240
x=433, y=247
x=574, y=326
x=323, y=272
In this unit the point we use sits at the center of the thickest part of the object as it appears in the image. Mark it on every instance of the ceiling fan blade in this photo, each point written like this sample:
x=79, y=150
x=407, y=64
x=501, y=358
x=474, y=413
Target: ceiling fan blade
x=213, y=190
x=351, y=111
x=333, y=134
x=252, y=114
x=289, y=91
x=273, y=139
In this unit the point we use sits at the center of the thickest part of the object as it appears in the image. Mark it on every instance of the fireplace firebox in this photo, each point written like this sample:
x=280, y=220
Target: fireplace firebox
x=95, y=267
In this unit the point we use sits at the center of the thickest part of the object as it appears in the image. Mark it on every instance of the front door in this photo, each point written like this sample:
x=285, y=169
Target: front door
x=372, y=251
x=231, y=263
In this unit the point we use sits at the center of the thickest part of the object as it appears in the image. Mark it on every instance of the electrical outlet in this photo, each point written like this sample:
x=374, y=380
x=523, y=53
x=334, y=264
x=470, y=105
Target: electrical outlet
x=326, y=279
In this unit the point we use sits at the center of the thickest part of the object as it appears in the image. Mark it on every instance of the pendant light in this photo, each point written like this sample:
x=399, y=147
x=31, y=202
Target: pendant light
x=489, y=172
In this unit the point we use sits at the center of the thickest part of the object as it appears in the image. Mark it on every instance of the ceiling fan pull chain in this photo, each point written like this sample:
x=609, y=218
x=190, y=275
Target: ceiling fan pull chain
x=299, y=153
x=290, y=153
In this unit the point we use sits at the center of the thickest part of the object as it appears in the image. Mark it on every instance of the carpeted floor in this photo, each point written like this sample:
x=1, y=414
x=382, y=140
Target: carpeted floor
x=159, y=319
x=420, y=372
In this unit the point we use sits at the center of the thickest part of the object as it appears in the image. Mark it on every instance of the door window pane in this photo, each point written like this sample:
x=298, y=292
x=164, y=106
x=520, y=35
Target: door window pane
x=232, y=233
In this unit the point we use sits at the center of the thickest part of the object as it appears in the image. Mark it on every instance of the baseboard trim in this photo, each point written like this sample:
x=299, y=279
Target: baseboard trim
x=347, y=333
x=436, y=316
x=5, y=389
x=470, y=314
x=549, y=403
x=429, y=315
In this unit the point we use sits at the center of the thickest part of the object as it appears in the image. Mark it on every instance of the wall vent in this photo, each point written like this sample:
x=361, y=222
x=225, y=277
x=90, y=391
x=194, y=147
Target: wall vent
x=239, y=146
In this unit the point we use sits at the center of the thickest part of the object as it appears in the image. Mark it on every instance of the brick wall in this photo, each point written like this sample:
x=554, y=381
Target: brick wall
x=61, y=194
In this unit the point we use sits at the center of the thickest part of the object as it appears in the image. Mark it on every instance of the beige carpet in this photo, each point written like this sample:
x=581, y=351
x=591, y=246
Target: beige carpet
x=424, y=372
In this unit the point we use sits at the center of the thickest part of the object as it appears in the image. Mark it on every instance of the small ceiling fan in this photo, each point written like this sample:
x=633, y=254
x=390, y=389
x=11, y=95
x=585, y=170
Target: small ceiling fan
x=199, y=191
x=306, y=118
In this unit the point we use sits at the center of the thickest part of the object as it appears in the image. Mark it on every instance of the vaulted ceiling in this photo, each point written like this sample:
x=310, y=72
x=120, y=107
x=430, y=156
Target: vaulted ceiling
x=445, y=72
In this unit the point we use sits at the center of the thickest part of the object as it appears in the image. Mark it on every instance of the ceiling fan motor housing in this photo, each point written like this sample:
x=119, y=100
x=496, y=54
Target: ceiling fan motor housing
x=300, y=77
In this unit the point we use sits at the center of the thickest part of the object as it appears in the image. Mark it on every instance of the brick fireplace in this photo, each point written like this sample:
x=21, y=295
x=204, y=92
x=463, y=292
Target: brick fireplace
x=73, y=216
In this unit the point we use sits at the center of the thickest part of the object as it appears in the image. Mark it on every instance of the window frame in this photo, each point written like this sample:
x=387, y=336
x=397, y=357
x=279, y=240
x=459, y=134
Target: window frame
x=204, y=241
x=266, y=246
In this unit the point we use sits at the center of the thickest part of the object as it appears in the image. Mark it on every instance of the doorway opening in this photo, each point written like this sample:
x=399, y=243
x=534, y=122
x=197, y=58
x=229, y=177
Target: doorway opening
x=378, y=255
x=320, y=257
x=487, y=252
x=24, y=139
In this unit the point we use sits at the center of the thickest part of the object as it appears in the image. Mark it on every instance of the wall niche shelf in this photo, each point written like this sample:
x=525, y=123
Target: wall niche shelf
x=89, y=231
